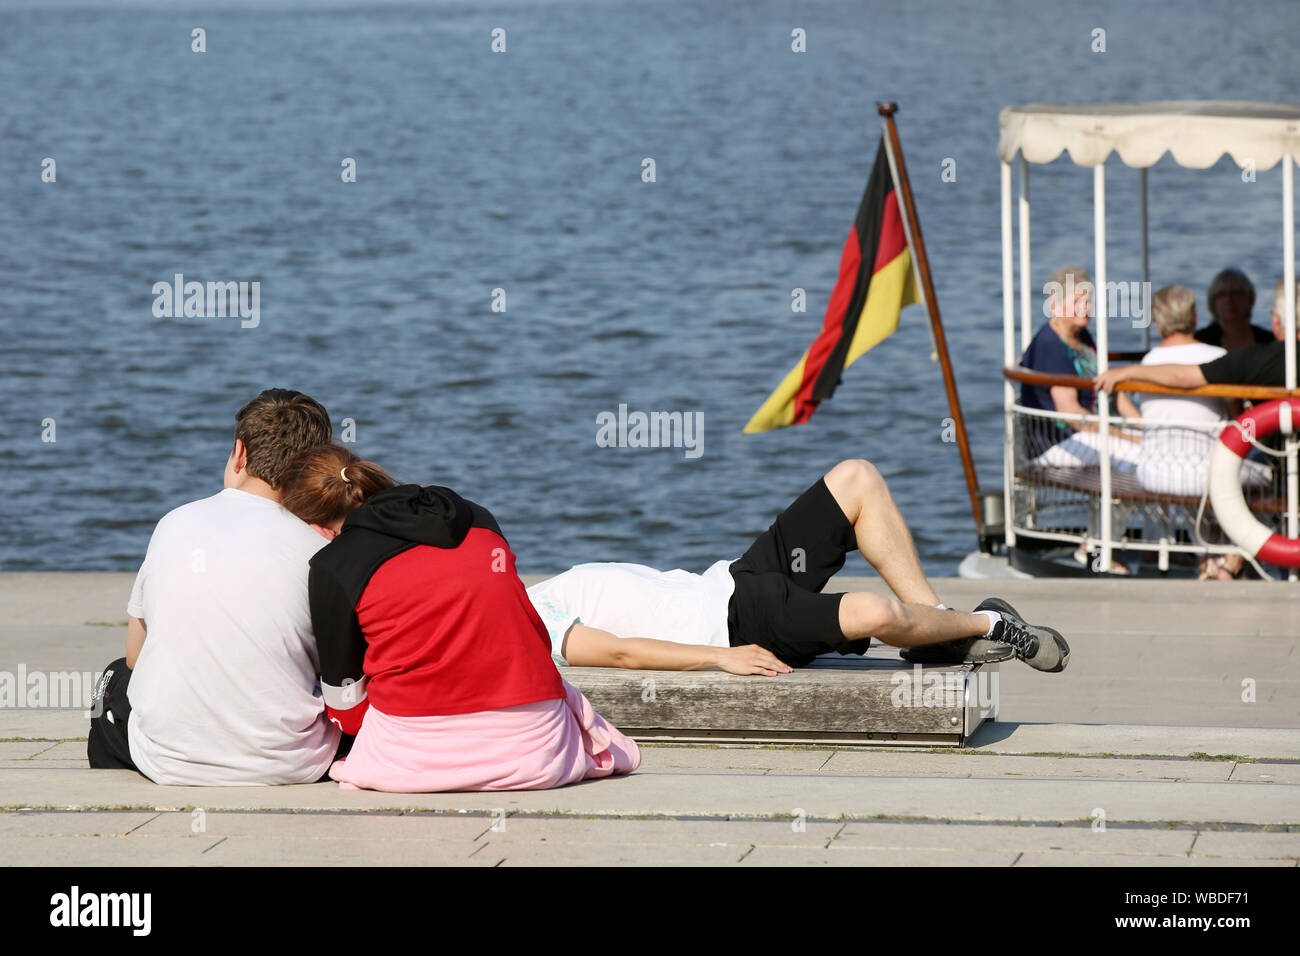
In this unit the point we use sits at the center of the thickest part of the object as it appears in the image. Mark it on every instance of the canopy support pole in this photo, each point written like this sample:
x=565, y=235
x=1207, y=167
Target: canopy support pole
x=1146, y=265
x=1008, y=357
x=1026, y=287
x=1103, y=340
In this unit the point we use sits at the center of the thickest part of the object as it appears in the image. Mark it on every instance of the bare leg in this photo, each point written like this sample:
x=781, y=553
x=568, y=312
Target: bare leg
x=863, y=614
x=882, y=534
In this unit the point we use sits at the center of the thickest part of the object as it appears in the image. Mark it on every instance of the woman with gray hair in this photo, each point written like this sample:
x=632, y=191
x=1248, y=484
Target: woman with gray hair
x=1231, y=297
x=1064, y=346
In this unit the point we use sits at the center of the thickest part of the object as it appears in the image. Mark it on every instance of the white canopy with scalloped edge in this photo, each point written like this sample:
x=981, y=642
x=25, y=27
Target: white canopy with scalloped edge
x=1196, y=132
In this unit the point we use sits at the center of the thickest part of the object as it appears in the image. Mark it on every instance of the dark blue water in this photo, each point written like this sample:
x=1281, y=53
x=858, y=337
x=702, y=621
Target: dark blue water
x=522, y=171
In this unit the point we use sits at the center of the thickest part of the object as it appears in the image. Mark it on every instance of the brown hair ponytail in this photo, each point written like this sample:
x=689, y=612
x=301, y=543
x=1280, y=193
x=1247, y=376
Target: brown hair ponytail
x=327, y=482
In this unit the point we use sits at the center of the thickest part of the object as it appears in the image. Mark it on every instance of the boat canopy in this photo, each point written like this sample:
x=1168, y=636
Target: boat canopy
x=1196, y=132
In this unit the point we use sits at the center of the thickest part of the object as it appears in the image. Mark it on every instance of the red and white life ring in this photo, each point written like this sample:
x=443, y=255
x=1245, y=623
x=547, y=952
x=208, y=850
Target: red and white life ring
x=1230, y=509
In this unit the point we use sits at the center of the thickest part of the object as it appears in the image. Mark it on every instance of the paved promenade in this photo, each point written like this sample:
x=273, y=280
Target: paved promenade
x=1171, y=740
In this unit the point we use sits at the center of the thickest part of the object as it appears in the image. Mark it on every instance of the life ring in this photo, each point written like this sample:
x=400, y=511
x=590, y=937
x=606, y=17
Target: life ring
x=1245, y=530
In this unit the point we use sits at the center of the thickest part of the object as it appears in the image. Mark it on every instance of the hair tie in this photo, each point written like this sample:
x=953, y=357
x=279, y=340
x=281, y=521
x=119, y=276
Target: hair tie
x=343, y=473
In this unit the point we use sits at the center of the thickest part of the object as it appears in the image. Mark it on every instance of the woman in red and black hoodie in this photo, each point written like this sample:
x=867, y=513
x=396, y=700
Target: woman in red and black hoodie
x=430, y=650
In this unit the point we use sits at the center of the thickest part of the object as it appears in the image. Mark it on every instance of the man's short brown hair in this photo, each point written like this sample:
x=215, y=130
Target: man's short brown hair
x=275, y=427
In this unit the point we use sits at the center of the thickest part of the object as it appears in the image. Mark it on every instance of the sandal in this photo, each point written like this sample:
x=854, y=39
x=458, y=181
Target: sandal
x=1091, y=562
x=1222, y=567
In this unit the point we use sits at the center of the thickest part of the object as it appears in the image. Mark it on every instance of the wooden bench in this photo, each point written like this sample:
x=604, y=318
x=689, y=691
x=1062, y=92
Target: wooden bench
x=1126, y=487
x=838, y=700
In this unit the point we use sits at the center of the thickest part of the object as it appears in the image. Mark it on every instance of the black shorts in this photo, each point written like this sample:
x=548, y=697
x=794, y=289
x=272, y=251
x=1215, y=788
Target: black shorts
x=106, y=744
x=777, y=602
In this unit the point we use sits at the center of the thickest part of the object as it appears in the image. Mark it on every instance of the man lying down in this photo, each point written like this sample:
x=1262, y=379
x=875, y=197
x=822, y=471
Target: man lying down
x=766, y=613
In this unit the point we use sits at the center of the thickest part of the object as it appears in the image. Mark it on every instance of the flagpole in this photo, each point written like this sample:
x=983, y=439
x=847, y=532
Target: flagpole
x=913, y=226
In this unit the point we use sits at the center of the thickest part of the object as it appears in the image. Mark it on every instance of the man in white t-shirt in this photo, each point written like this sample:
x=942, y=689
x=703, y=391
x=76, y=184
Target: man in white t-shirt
x=219, y=683
x=1179, y=430
x=768, y=612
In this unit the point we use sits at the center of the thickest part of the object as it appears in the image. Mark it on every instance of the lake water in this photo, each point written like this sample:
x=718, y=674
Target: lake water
x=521, y=171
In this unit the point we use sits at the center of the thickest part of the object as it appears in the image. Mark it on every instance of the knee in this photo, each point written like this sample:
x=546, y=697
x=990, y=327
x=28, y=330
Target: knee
x=863, y=614
x=855, y=478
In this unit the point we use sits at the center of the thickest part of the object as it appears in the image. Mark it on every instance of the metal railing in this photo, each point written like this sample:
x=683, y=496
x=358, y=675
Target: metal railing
x=1159, y=500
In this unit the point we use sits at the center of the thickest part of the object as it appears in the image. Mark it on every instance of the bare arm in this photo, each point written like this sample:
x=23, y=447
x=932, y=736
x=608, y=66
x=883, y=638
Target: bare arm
x=590, y=647
x=1126, y=406
x=135, y=635
x=1066, y=399
x=1172, y=376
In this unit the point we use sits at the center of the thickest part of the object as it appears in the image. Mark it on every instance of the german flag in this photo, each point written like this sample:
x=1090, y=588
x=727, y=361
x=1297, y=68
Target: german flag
x=862, y=311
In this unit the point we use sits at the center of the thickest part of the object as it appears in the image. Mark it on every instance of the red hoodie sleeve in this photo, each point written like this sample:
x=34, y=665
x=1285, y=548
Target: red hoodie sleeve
x=342, y=648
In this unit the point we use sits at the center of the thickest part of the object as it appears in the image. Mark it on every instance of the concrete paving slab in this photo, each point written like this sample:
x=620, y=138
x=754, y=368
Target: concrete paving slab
x=1127, y=841
x=787, y=856
x=275, y=851
x=84, y=823
x=1257, y=743
x=985, y=765
x=65, y=763
x=1288, y=773
x=1098, y=859
x=719, y=832
x=65, y=750
x=29, y=724
x=114, y=851
x=587, y=855
x=426, y=827
x=1236, y=844
x=717, y=759
x=26, y=749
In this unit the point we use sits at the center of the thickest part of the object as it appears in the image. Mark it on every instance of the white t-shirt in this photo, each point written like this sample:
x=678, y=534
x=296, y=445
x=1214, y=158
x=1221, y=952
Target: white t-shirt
x=632, y=600
x=1189, y=408
x=225, y=690
x=1173, y=460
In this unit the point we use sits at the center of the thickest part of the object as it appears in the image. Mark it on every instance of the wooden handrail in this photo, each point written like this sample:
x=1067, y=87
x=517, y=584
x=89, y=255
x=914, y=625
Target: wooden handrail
x=1255, y=393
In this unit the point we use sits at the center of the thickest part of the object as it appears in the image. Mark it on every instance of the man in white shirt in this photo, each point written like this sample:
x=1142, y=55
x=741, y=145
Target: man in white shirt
x=768, y=612
x=1172, y=459
x=218, y=686
x=1180, y=430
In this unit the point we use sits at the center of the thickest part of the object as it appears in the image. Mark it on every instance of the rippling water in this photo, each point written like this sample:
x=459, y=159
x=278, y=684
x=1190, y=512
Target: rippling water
x=521, y=171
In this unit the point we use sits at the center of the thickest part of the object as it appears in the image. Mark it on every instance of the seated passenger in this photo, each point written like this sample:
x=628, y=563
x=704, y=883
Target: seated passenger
x=1065, y=347
x=1173, y=458
x=1231, y=297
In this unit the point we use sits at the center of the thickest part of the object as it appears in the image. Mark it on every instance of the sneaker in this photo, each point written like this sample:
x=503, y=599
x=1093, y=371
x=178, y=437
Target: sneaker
x=1042, y=648
x=964, y=650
